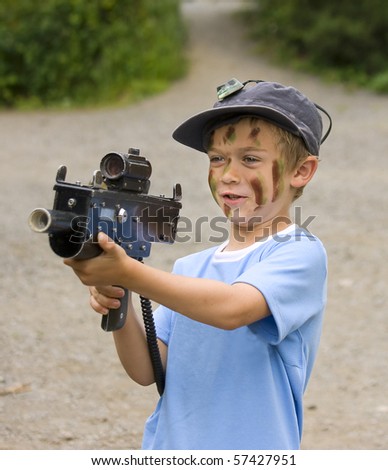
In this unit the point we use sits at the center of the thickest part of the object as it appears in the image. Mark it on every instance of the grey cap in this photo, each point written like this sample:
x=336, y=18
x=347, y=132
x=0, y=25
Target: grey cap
x=284, y=106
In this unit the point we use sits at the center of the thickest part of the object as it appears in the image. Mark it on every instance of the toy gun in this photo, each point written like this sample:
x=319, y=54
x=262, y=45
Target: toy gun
x=116, y=202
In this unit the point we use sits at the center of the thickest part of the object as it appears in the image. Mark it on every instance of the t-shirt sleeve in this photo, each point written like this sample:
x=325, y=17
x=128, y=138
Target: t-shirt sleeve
x=292, y=279
x=163, y=317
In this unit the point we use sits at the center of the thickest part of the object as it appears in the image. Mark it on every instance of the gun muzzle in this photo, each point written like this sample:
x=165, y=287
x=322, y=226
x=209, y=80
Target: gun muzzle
x=50, y=221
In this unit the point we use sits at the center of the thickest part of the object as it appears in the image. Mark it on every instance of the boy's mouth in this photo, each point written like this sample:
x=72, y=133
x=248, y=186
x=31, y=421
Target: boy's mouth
x=232, y=197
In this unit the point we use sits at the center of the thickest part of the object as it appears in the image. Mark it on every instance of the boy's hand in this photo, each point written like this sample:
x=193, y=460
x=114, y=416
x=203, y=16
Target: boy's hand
x=107, y=269
x=104, y=298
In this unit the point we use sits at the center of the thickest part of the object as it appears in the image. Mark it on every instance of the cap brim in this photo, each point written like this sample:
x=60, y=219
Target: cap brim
x=192, y=131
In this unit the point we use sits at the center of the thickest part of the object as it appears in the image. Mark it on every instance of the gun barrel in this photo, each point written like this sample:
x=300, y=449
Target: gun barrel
x=50, y=221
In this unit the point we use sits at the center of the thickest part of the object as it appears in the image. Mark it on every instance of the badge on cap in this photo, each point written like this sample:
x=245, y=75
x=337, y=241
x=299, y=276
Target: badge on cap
x=228, y=88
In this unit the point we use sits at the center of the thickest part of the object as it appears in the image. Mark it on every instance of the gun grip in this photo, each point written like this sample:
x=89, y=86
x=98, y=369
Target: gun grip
x=116, y=317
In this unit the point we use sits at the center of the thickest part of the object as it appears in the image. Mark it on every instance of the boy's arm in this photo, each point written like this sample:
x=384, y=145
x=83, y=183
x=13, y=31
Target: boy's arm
x=205, y=300
x=130, y=340
x=208, y=301
x=132, y=349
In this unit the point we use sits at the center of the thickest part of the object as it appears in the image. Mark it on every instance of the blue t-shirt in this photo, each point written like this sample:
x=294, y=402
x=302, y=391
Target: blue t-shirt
x=243, y=389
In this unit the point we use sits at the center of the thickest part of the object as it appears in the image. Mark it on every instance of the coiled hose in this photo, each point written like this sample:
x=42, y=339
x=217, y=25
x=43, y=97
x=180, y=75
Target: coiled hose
x=152, y=341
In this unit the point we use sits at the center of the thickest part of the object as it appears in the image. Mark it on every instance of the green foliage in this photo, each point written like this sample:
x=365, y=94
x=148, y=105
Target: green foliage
x=62, y=52
x=344, y=40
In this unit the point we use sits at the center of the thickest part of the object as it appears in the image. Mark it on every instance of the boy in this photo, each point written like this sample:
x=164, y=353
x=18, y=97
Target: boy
x=239, y=324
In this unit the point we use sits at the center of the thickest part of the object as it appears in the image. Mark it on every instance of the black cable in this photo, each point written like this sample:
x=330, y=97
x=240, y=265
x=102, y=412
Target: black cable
x=152, y=341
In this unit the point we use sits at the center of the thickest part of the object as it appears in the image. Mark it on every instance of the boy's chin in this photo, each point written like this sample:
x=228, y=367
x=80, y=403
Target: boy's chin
x=248, y=223
x=240, y=219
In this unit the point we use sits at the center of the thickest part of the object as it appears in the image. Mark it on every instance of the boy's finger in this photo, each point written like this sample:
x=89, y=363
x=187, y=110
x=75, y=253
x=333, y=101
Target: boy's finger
x=104, y=241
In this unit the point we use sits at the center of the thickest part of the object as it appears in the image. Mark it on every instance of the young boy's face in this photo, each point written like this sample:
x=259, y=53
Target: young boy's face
x=247, y=174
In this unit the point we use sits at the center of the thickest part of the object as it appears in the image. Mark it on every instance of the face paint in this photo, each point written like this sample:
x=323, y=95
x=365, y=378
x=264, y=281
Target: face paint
x=227, y=167
x=230, y=135
x=213, y=188
x=255, y=131
x=212, y=184
x=277, y=178
x=253, y=136
x=257, y=187
x=227, y=211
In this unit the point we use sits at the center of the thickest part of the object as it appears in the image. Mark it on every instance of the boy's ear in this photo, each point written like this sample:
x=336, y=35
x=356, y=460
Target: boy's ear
x=304, y=172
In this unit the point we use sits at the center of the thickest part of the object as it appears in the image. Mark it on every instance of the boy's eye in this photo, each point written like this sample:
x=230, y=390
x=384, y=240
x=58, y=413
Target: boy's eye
x=251, y=159
x=214, y=159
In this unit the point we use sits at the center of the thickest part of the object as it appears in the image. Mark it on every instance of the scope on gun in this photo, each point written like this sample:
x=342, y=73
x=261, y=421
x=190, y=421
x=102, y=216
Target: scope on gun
x=129, y=172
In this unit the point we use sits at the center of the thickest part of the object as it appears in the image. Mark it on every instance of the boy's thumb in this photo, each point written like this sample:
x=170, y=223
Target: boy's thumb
x=104, y=241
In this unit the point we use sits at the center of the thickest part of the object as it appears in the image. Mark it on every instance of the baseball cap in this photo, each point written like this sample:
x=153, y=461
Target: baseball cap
x=284, y=106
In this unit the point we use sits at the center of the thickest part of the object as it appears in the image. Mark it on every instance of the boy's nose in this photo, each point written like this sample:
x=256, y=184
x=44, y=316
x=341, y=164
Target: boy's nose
x=230, y=173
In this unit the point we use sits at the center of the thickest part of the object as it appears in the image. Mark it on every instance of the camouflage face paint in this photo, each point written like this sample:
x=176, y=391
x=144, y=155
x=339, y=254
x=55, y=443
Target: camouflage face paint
x=230, y=135
x=253, y=135
x=227, y=167
x=212, y=184
x=278, y=168
x=258, y=189
x=213, y=188
x=227, y=211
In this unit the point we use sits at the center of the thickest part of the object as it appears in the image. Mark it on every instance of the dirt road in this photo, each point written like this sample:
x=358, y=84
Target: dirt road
x=61, y=384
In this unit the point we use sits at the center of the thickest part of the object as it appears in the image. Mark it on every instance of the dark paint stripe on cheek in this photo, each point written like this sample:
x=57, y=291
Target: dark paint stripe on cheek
x=275, y=179
x=258, y=190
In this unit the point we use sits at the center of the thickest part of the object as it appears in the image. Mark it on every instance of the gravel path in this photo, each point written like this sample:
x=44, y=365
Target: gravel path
x=61, y=386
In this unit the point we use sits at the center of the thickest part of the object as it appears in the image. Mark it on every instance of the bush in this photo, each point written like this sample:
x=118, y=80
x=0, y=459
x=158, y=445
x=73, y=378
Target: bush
x=79, y=51
x=344, y=40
